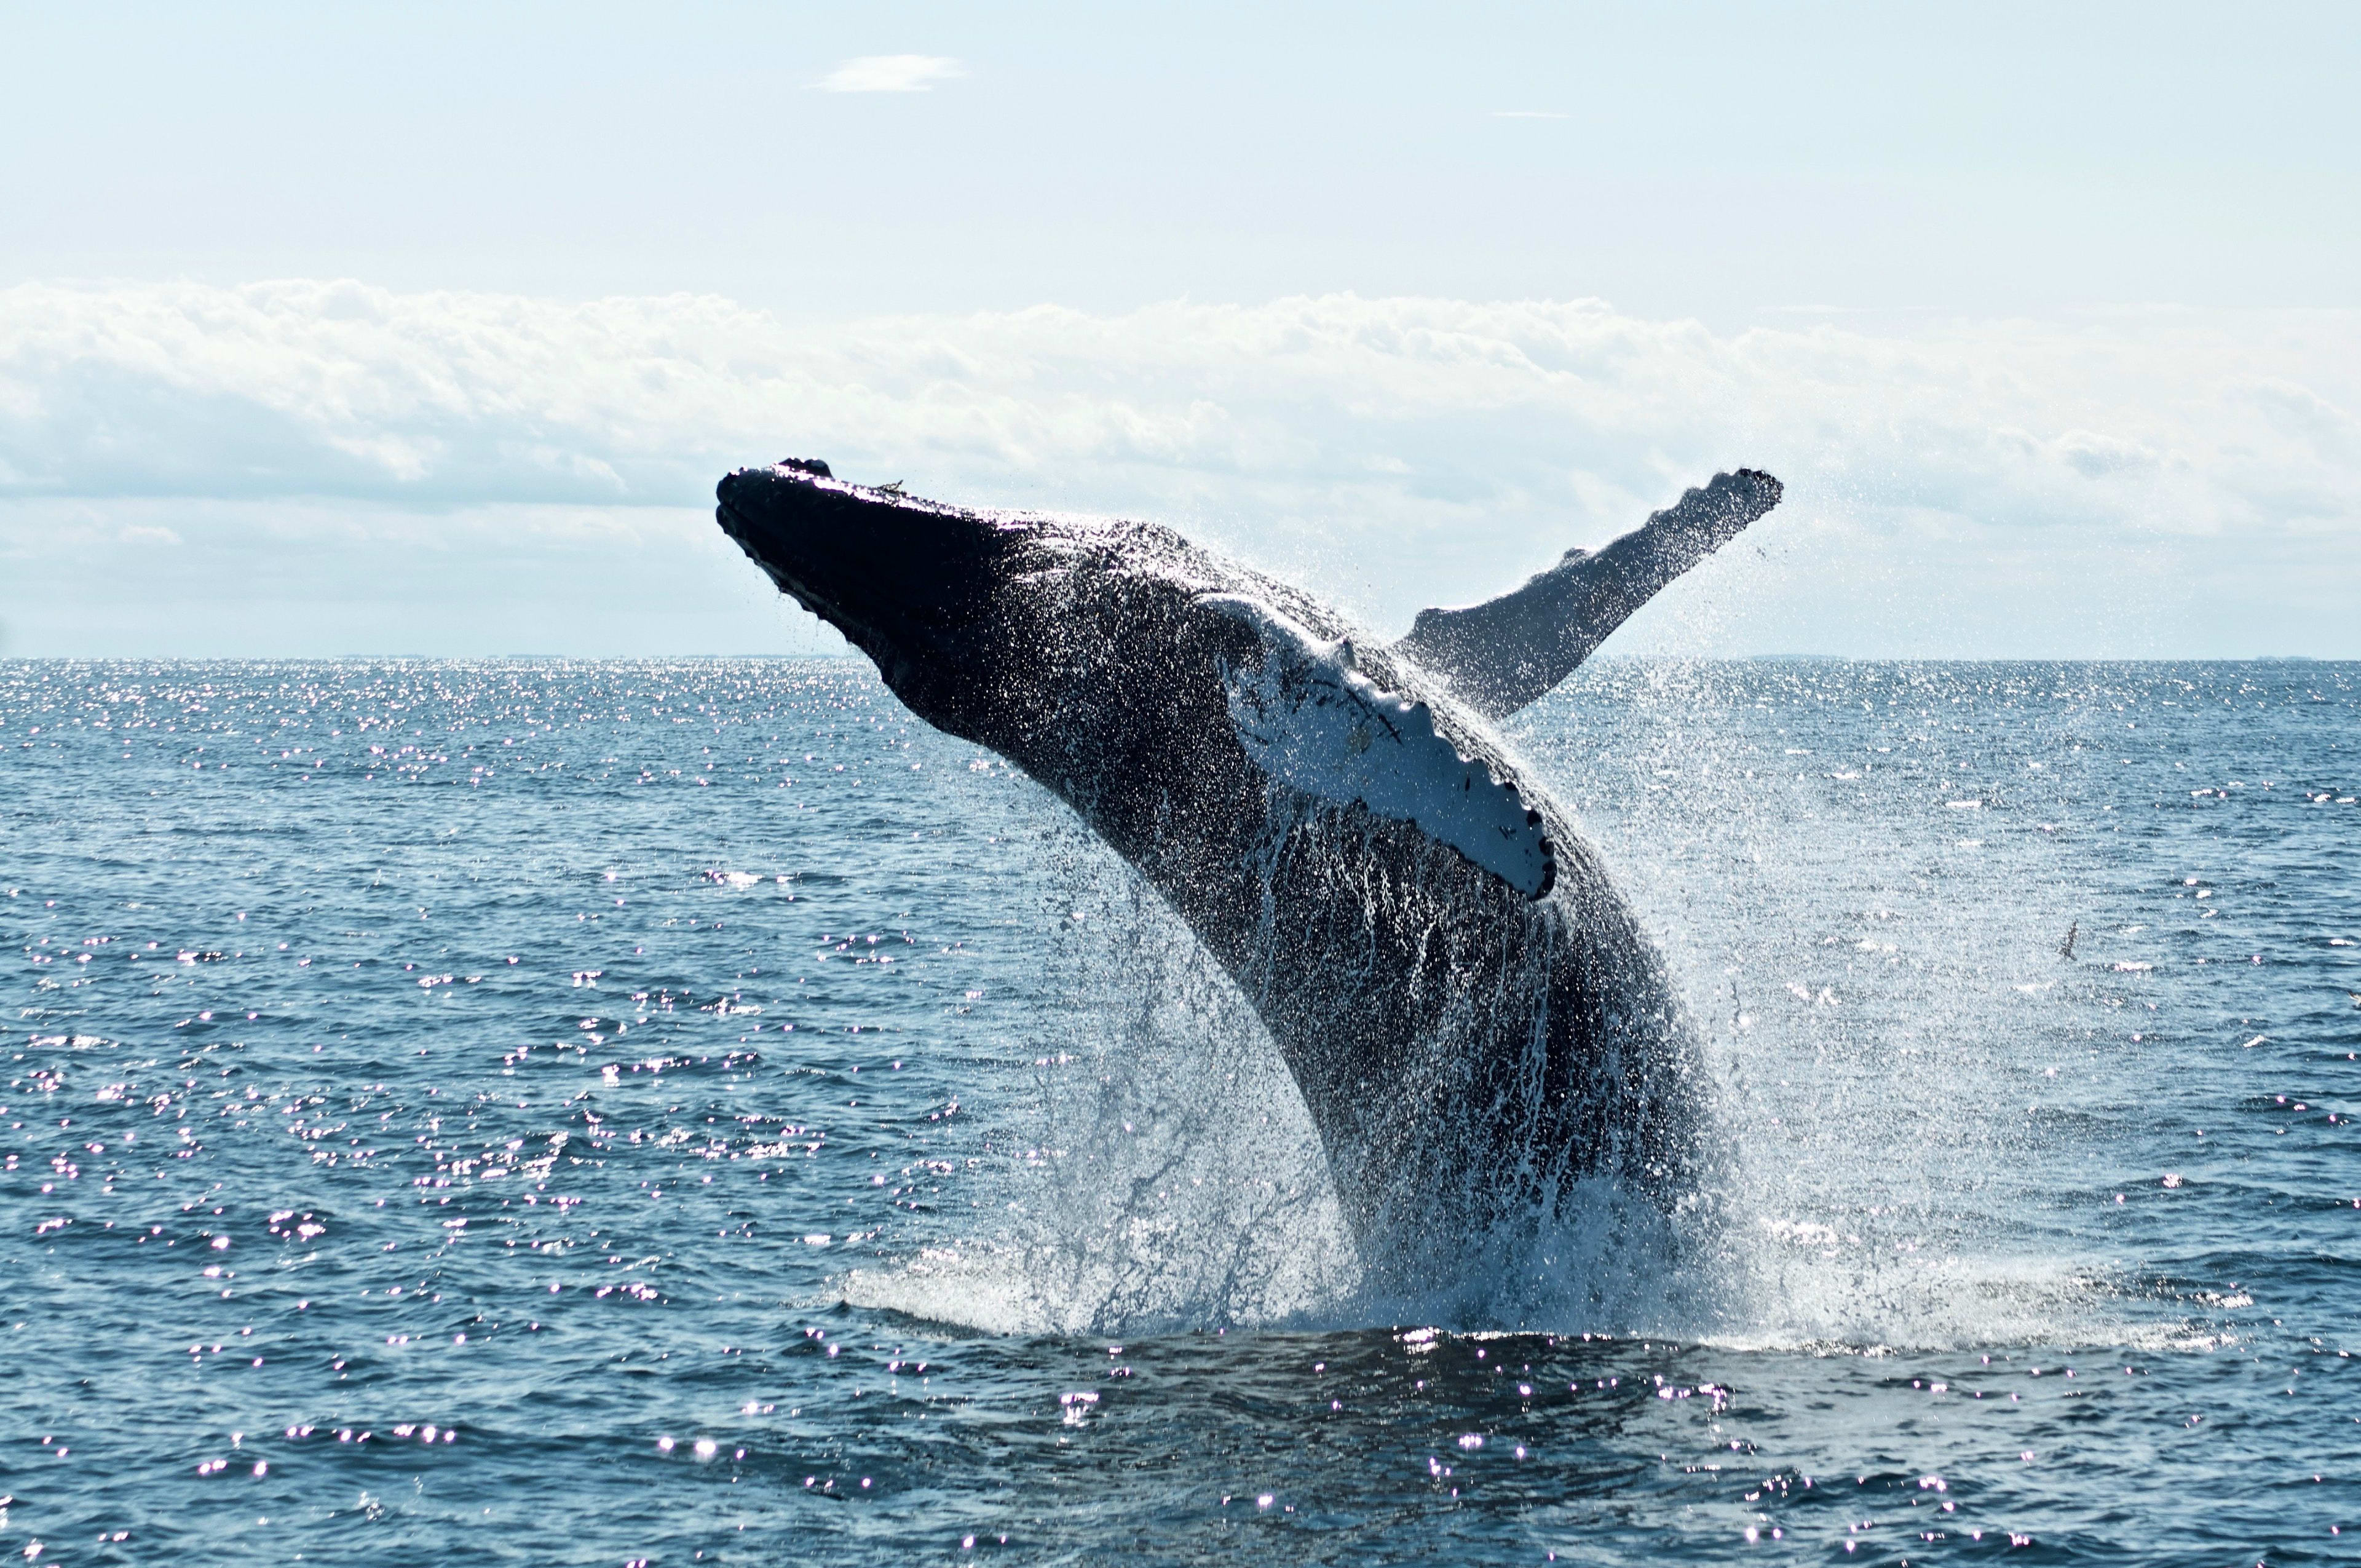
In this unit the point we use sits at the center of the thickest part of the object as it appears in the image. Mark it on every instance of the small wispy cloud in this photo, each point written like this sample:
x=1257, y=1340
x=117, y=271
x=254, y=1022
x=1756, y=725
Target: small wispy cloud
x=1527, y=115
x=892, y=73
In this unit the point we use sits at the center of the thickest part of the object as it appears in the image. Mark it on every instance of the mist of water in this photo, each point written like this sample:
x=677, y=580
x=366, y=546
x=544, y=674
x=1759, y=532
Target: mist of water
x=1863, y=898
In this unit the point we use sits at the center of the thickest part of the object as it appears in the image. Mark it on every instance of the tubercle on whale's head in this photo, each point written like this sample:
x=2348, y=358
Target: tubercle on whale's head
x=899, y=577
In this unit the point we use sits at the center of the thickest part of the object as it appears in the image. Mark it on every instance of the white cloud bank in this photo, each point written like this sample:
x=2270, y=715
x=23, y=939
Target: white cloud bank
x=2133, y=481
x=891, y=73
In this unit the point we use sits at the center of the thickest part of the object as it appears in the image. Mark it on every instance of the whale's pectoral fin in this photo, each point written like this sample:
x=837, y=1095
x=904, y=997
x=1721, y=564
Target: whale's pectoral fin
x=1500, y=655
x=1312, y=722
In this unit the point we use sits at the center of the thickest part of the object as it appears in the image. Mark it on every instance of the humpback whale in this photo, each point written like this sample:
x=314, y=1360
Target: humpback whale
x=1474, y=1015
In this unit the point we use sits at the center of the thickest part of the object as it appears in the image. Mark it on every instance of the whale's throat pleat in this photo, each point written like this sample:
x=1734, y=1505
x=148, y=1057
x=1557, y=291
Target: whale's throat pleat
x=1311, y=721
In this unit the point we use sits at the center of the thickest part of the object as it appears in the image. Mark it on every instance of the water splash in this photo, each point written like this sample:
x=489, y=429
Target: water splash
x=1878, y=996
x=1153, y=1164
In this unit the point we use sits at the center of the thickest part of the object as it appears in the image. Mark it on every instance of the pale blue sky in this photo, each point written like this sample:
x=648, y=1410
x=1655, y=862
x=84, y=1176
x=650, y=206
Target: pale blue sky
x=1714, y=160
x=1938, y=214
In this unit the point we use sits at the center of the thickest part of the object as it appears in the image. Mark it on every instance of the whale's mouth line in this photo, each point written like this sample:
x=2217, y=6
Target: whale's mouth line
x=870, y=562
x=758, y=539
x=750, y=536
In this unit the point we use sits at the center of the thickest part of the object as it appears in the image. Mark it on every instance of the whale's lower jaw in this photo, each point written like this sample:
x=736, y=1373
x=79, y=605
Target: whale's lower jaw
x=770, y=546
x=898, y=577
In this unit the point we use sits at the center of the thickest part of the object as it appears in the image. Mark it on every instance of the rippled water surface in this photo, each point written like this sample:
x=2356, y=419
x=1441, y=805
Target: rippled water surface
x=694, y=1112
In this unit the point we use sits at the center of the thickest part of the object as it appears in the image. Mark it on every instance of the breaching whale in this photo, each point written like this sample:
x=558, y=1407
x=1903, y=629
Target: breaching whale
x=1472, y=1015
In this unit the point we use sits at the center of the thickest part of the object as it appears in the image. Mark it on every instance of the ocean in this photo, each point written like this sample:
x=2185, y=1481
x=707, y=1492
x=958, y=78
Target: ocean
x=692, y=1112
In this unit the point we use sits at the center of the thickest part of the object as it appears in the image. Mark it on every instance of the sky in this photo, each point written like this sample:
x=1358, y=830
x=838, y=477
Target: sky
x=423, y=329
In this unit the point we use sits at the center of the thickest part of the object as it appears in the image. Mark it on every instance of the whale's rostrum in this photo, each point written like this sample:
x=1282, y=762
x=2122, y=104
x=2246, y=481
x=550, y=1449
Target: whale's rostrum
x=1474, y=1017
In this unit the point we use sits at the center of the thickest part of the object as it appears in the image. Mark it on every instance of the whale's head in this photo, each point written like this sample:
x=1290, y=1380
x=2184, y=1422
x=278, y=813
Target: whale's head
x=1126, y=669
x=911, y=583
x=1085, y=650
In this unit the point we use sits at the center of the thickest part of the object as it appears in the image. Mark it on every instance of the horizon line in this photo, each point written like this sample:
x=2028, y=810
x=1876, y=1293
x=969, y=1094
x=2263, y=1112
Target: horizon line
x=850, y=654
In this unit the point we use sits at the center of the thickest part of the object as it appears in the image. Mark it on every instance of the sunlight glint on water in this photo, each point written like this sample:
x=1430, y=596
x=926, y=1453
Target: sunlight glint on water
x=584, y=1113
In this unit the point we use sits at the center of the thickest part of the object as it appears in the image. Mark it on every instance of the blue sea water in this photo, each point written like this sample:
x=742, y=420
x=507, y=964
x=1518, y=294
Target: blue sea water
x=693, y=1113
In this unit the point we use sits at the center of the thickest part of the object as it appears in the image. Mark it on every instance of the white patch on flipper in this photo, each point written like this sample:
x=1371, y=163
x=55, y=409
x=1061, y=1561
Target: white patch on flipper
x=1310, y=721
